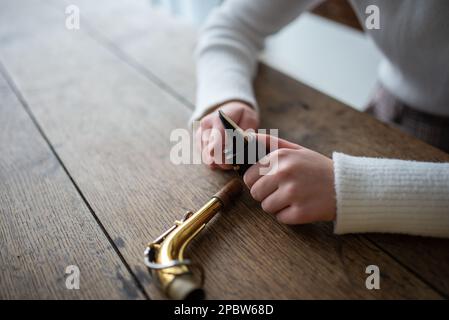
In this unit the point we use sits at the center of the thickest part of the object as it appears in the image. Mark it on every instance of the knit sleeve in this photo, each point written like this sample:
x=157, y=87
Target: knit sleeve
x=229, y=44
x=392, y=196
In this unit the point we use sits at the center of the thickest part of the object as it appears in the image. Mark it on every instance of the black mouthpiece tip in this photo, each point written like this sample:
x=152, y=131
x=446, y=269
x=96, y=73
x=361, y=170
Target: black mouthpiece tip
x=227, y=123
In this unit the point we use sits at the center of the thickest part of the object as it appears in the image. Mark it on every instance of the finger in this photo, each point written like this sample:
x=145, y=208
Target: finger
x=252, y=175
x=267, y=165
x=198, y=139
x=204, y=136
x=259, y=169
x=206, y=157
x=263, y=187
x=275, y=202
x=206, y=154
x=294, y=215
x=216, y=145
x=217, y=125
x=201, y=137
x=249, y=120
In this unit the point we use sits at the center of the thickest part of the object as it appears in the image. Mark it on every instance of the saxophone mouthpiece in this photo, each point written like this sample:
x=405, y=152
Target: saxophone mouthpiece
x=238, y=149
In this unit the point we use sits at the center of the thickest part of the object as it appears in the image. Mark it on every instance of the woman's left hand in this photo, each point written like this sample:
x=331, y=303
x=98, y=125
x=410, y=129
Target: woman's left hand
x=300, y=189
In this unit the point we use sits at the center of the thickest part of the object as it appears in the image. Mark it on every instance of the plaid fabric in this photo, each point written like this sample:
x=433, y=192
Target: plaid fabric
x=430, y=128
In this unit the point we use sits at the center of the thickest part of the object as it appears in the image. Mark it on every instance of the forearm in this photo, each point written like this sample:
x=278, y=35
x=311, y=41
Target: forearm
x=393, y=196
x=229, y=45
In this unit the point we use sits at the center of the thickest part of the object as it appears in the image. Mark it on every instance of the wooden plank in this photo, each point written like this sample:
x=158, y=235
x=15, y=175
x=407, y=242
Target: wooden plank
x=111, y=128
x=325, y=124
x=44, y=224
x=339, y=11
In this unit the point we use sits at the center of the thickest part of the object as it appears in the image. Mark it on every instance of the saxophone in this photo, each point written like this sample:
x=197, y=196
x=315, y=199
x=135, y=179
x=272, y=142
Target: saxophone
x=165, y=255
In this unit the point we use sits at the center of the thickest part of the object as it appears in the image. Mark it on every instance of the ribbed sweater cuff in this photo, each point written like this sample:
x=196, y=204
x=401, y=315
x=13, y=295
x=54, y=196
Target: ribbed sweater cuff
x=394, y=196
x=214, y=90
x=222, y=77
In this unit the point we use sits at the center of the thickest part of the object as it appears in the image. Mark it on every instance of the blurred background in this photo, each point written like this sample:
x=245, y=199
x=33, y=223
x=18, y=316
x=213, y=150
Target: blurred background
x=327, y=41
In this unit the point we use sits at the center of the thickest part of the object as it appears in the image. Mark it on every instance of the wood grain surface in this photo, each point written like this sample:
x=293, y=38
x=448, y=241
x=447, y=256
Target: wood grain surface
x=44, y=224
x=108, y=96
x=302, y=114
x=339, y=11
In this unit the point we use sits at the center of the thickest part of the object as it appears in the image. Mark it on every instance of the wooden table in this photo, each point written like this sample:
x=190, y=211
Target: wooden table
x=86, y=180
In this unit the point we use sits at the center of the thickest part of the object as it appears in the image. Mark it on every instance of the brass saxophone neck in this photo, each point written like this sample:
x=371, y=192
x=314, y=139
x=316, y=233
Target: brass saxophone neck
x=165, y=255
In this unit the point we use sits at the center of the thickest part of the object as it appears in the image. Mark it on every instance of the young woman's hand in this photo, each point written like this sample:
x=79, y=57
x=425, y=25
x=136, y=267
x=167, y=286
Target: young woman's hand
x=301, y=187
x=211, y=131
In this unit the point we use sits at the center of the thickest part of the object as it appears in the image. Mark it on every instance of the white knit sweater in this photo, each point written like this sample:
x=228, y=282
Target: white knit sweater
x=373, y=195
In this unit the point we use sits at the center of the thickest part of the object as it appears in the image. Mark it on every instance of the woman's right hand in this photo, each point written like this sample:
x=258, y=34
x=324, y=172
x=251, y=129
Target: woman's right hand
x=211, y=132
